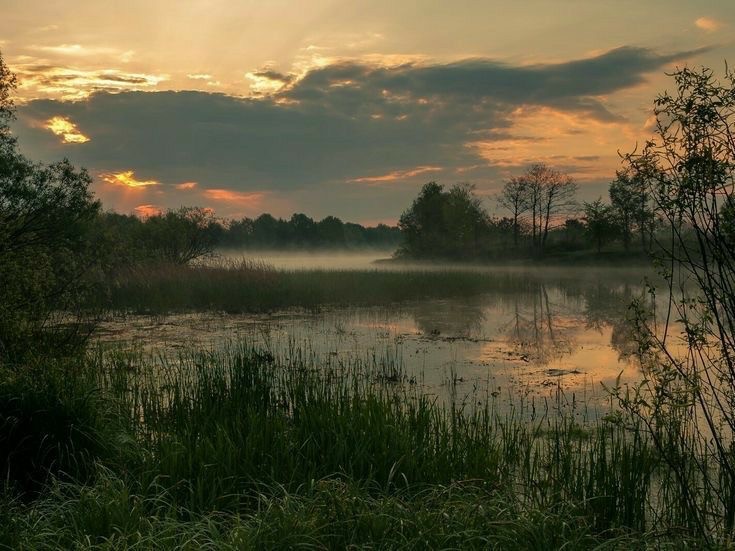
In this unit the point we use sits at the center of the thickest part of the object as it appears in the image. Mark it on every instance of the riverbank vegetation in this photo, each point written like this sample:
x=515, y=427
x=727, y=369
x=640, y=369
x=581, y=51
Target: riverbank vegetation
x=246, y=448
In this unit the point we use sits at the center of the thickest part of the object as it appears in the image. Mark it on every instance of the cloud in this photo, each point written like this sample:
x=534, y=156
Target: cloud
x=268, y=81
x=350, y=121
x=397, y=175
x=186, y=185
x=127, y=178
x=234, y=197
x=69, y=83
x=62, y=126
x=708, y=24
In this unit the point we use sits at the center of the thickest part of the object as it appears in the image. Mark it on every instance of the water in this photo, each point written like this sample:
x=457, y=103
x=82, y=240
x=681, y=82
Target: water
x=566, y=330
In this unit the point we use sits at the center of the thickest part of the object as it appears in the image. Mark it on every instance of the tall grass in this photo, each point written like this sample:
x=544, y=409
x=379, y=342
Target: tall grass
x=255, y=287
x=246, y=449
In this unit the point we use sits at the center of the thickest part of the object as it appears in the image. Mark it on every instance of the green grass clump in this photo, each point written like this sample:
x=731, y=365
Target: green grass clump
x=51, y=423
x=244, y=449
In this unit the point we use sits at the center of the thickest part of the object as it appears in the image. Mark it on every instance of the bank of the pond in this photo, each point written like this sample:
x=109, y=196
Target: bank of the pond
x=246, y=449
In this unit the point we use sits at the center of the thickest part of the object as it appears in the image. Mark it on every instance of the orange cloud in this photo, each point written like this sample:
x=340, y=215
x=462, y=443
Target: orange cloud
x=541, y=134
x=708, y=24
x=146, y=211
x=236, y=197
x=38, y=79
x=186, y=185
x=127, y=178
x=397, y=175
x=62, y=126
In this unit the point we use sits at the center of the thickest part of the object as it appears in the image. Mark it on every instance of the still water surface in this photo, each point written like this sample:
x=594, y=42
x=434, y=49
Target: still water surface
x=567, y=329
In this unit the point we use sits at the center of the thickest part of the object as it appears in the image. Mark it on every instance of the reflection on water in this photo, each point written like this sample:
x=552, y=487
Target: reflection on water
x=567, y=330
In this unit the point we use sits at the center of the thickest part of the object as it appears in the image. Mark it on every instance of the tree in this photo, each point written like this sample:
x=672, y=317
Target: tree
x=331, y=232
x=546, y=194
x=444, y=224
x=180, y=236
x=422, y=225
x=558, y=192
x=600, y=223
x=46, y=212
x=515, y=197
x=688, y=394
x=631, y=205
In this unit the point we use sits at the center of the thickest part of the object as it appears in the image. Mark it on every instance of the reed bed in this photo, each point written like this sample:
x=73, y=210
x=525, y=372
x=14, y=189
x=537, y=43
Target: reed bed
x=250, y=286
x=246, y=448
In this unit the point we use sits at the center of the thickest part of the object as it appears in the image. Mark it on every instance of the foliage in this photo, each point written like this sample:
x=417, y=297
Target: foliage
x=50, y=424
x=688, y=395
x=45, y=246
x=179, y=236
x=631, y=204
x=600, y=221
x=444, y=224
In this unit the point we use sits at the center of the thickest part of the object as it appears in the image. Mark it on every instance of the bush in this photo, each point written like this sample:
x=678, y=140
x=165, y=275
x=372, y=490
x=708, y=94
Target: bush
x=49, y=425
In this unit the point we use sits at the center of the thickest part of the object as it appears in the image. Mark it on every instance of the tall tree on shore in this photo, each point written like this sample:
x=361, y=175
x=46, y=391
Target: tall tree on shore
x=548, y=195
x=444, y=224
x=600, y=223
x=46, y=251
x=631, y=205
x=514, y=197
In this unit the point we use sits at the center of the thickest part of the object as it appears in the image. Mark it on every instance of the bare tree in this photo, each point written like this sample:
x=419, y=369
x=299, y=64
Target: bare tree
x=514, y=197
x=549, y=194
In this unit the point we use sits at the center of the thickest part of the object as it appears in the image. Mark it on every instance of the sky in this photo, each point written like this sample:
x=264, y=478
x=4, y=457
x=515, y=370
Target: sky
x=343, y=108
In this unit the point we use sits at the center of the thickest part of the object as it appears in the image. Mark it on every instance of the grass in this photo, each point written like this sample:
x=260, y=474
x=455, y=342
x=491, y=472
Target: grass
x=255, y=287
x=247, y=449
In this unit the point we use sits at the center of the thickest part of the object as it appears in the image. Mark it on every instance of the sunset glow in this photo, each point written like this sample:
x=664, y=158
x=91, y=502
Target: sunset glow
x=66, y=129
x=128, y=179
x=350, y=112
x=146, y=211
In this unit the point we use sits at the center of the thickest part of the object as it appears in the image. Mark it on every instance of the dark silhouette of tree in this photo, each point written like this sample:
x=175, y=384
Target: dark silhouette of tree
x=180, y=236
x=45, y=239
x=546, y=195
x=444, y=224
x=687, y=397
x=631, y=204
x=601, y=223
x=515, y=197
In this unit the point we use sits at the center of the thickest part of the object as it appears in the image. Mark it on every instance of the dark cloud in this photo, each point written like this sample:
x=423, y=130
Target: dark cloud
x=336, y=124
x=275, y=75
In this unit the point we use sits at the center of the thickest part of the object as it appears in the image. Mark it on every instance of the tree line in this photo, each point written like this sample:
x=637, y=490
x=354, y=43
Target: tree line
x=187, y=233
x=542, y=216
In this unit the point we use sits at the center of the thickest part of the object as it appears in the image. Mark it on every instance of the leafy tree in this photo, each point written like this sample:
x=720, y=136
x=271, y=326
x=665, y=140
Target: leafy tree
x=180, y=236
x=630, y=201
x=600, y=223
x=444, y=224
x=331, y=232
x=46, y=256
x=303, y=229
x=688, y=393
x=422, y=225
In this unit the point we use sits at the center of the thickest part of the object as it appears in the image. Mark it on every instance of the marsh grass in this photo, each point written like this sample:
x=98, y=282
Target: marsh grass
x=250, y=286
x=247, y=448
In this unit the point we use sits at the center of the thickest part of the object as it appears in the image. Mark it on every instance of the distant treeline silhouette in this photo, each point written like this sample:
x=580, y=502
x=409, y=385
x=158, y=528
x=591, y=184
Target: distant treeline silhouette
x=184, y=234
x=543, y=219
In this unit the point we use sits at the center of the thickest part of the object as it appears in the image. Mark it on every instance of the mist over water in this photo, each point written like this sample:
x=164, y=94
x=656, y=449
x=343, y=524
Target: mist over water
x=313, y=260
x=547, y=329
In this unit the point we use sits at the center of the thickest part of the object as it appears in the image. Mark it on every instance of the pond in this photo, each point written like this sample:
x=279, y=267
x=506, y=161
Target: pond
x=567, y=329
